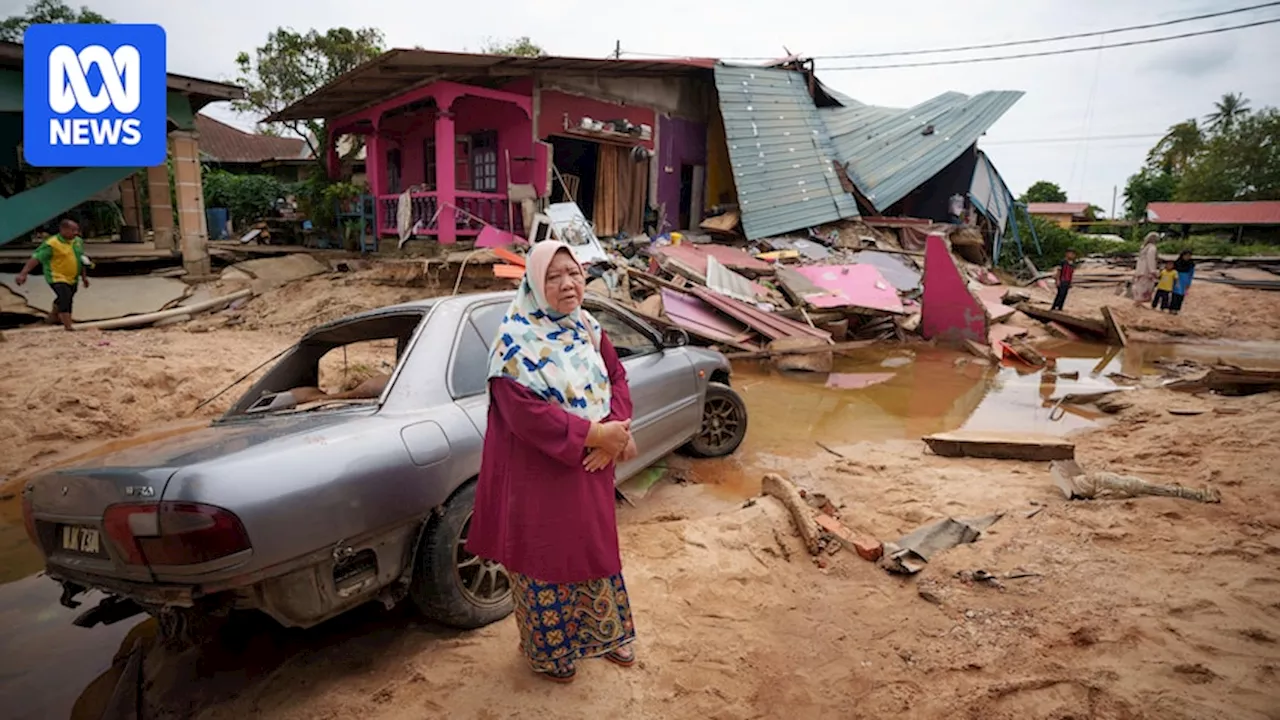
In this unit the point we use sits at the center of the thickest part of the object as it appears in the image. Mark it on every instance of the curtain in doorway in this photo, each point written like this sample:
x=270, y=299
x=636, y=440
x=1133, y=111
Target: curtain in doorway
x=622, y=184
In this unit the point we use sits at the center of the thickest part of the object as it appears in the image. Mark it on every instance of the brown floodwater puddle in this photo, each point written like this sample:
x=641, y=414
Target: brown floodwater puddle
x=48, y=665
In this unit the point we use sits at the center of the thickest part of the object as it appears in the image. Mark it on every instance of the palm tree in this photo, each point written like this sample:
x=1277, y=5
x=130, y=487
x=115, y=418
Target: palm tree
x=1177, y=147
x=1230, y=108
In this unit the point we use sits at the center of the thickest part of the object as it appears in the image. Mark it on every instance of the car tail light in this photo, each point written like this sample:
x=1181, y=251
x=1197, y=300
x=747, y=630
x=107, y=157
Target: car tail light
x=29, y=518
x=174, y=533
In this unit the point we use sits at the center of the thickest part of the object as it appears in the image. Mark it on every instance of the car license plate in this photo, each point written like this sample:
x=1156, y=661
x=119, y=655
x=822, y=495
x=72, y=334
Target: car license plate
x=81, y=540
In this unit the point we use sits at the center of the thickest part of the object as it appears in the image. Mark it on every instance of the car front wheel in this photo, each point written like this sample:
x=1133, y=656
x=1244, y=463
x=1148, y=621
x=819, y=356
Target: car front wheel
x=724, y=423
x=450, y=585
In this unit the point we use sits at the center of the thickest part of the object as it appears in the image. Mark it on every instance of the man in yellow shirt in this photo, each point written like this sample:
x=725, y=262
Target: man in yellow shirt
x=64, y=264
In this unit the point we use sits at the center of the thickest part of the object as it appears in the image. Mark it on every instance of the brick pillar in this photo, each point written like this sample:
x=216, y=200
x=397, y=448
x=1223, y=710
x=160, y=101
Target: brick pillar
x=192, y=224
x=161, y=206
x=131, y=199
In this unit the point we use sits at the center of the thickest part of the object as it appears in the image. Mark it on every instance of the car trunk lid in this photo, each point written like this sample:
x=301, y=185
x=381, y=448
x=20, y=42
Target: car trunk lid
x=66, y=507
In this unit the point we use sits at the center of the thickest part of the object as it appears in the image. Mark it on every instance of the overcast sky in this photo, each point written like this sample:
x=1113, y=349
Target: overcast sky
x=1125, y=91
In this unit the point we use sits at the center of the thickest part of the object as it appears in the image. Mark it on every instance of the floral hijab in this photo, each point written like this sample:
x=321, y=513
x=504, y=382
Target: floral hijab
x=556, y=356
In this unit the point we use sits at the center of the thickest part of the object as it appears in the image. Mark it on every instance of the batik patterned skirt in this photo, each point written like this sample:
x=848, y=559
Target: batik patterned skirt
x=560, y=623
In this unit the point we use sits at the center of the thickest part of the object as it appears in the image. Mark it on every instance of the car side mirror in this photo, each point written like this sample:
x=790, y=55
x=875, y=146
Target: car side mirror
x=674, y=338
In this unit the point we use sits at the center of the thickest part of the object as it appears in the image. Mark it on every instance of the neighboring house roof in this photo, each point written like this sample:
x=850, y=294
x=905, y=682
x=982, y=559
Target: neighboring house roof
x=1261, y=212
x=890, y=152
x=1066, y=208
x=398, y=70
x=201, y=92
x=220, y=142
x=782, y=157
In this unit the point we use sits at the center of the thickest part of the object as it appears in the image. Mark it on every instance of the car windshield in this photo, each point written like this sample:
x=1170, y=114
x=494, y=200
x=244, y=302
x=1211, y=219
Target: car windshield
x=346, y=364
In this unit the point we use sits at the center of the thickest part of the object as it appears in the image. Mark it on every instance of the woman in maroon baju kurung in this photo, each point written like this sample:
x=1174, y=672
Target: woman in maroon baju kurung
x=559, y=412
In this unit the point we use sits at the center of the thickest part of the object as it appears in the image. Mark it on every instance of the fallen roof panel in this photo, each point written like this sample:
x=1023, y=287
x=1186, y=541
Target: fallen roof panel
x=891, y=152
x=782, y=157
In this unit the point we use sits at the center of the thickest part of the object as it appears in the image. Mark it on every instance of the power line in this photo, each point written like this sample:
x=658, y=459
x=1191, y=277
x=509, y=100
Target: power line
x=1047, y=53
x=1010, y=43
x=1081, y=138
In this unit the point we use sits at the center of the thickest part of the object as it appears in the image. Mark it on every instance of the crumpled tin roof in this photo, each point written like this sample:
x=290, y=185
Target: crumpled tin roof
x=782, y=156
x=891, y=152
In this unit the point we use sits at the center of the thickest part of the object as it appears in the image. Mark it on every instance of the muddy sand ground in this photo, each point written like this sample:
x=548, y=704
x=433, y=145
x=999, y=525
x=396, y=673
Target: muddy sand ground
x=1144, y=608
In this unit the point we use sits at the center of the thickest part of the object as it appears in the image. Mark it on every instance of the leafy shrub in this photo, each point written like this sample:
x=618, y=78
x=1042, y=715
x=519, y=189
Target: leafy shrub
x=246, y=197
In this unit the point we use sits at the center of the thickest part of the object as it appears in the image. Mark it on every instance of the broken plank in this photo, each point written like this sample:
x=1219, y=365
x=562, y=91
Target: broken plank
x=1114, y=330
x=1088, y=325
x=1000, y=446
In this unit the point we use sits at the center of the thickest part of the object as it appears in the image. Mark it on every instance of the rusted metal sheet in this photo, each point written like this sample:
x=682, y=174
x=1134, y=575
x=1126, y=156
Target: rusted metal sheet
x=695, y=257
x=767, y=324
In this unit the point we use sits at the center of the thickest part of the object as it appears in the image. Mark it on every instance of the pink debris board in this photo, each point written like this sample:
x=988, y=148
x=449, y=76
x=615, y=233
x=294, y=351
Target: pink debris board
x=951, y=313
x=698, y=317
x=852, y=285
x=992, y=297
x=695, y=256
x=491, y=236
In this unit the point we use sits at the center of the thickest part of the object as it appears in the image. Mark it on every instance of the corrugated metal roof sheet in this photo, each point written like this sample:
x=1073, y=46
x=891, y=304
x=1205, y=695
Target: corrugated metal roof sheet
x=887, y=150
x=396, y=71
x=1261, y=212
x=782, y=157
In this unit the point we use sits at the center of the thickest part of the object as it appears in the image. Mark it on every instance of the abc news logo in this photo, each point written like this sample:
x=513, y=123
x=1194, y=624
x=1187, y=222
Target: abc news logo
x=97, y=96
x=69, y=91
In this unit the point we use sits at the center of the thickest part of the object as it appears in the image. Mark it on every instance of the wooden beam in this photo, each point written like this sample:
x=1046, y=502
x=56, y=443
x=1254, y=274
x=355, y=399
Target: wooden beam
x=1089, y=325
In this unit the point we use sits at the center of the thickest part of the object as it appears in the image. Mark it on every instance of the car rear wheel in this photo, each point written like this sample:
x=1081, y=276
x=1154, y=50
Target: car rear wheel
x=450, y=585
x=724, y=423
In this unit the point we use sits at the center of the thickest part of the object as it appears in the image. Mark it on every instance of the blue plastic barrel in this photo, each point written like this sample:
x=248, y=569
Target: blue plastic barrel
x=217, y=221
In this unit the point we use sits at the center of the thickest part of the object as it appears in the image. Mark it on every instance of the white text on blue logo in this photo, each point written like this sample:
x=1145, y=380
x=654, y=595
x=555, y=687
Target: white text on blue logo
x=69, y=91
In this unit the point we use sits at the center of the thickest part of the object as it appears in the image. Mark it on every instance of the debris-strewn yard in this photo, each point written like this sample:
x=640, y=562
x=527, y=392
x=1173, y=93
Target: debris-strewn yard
x=1144, y=608
x=1141, y=608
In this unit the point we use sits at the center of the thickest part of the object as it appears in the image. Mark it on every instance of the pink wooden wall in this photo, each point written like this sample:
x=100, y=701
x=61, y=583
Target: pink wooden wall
x=553, y=105
x=471, y=115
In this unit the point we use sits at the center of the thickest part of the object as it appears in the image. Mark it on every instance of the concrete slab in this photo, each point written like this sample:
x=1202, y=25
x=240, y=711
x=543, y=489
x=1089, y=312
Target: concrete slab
x=277, y=271
x=106, y=298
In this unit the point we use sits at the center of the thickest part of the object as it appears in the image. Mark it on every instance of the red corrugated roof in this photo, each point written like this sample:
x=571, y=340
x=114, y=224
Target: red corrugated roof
x=1262, y=212
x=1067, y=208
x=223, y=143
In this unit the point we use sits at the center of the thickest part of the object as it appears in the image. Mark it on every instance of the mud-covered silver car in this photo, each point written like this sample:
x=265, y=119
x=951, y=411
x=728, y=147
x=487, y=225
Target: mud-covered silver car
x=305, y=510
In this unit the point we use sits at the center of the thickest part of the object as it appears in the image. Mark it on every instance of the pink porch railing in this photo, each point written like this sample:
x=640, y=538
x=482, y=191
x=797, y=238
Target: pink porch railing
x=491, y=208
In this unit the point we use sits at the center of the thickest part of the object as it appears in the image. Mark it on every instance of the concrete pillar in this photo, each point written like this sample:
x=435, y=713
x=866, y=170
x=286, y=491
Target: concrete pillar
x=446, y=173
x=192, y=224
x=161, y=206
x=131, y=199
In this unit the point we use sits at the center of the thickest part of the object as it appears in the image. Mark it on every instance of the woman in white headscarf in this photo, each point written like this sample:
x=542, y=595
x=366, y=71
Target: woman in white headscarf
x=1147, y=272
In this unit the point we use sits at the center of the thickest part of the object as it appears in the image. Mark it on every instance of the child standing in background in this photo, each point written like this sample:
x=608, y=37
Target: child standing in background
x=1062, y=277
x=1164, y=287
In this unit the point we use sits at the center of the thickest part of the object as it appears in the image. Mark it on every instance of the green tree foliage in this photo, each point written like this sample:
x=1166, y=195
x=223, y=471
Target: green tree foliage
x=1147, y=186
x=1043, y=191
x=292, y=65
x=1227, y=111
x=246, y=197
x=1240, y=162
x=1054, y=243
x=1177, y=148
x=47, y=12
x=520, y=47
x=1235, y=156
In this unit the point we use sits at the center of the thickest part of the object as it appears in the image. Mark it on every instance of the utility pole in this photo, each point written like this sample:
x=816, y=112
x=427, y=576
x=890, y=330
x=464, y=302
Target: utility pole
x=1113, y=201
x=617, y=50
